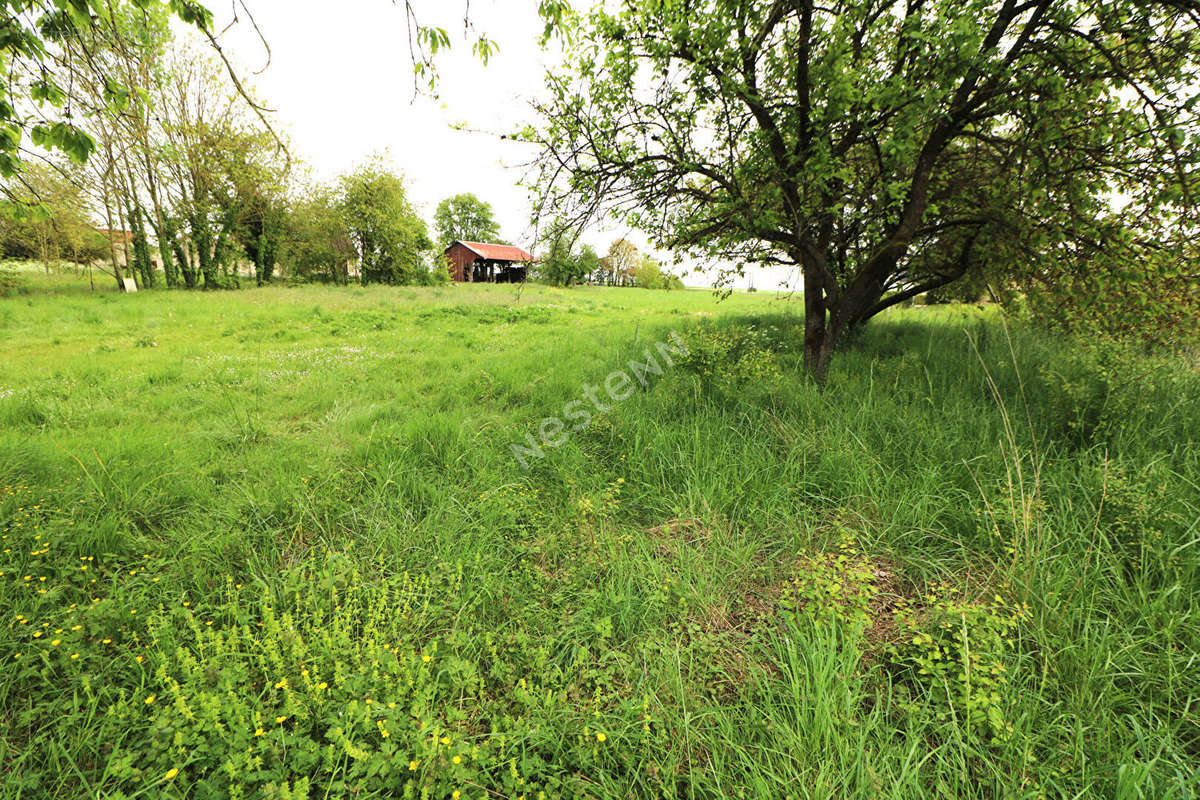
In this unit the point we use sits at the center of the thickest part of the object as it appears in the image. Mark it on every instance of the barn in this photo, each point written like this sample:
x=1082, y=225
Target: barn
x=493, y=263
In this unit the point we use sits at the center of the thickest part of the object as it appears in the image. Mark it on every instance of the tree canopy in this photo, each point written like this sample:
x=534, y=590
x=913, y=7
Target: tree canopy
x=563, y=262
x=464, y=217
x=388, y=235
x=885, y=148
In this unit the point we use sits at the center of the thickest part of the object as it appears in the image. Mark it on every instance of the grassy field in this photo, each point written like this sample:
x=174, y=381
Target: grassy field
x=276, y=543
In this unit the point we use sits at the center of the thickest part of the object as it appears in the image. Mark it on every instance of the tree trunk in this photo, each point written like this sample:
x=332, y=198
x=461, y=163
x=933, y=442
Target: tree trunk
x=112, y=247
x=170, y=273
x=183, y=256
x=814, y=325
x=825, y=323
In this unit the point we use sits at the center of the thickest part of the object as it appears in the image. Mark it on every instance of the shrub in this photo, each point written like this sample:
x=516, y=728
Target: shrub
x=954, y=652
x=729, y=356
x=834, y=587
x=1149, y=298
x=1095, y=390
x=10, y=282
x=1134, y=520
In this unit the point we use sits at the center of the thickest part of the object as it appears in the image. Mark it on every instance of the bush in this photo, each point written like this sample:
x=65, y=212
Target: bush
x=1134, y=520
x=10, y=282
x=954, y=652
x=1154, y=301
x=729, y=356
x=1095, y=390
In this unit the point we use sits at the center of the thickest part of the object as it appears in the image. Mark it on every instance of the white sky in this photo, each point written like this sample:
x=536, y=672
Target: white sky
x=341, y=85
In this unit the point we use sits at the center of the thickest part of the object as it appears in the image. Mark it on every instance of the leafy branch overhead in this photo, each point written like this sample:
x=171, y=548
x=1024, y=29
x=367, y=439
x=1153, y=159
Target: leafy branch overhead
x=38, y=100
x=882, y=148
x=426, y=41
x=39, y=38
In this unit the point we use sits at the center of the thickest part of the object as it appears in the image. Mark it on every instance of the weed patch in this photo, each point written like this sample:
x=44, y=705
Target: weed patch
x=955, y=655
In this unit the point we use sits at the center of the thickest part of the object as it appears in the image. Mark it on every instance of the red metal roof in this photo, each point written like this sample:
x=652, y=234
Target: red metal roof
x=497, y=252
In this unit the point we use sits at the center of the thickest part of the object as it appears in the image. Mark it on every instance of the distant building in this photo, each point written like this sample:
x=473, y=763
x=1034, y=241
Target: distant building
x=122, y=244
x=476, y=262
x=120, y=237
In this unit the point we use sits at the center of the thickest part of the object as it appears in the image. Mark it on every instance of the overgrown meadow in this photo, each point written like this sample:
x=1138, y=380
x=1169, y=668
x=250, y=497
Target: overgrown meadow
x=275, y=544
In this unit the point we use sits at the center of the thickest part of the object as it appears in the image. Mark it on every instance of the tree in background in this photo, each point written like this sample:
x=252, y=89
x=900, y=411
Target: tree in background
x=183, y=159
x=587, y=263
x=316, y=244
x=37, y=96
x=224, y=176
x=648, y=274
x=602, y=272
x=50, y=218
x=465, y=218
x=561, y=263
x=125, y=49
x=178, y=152
x=49, y=215
x=623, y=259
x=260, y=183
x=886, y=148
x=389, y=237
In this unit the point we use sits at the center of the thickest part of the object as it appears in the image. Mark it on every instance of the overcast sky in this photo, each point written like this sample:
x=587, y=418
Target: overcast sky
x=341, y=85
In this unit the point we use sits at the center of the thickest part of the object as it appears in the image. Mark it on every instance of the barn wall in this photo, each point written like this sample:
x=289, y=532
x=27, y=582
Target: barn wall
x=460, y=259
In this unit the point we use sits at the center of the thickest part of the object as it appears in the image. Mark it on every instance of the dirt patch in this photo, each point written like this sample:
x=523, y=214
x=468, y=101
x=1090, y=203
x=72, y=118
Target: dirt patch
x=853, y=587
x=889, y=595
x=669, y=535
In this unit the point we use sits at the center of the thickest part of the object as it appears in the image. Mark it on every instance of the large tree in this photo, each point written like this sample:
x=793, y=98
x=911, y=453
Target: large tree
x=389, y=237
x=884, y=147
x=465, y=218
x=316, y=243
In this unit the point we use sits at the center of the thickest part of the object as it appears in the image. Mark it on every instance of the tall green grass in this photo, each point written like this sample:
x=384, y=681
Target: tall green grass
x=720, y=588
